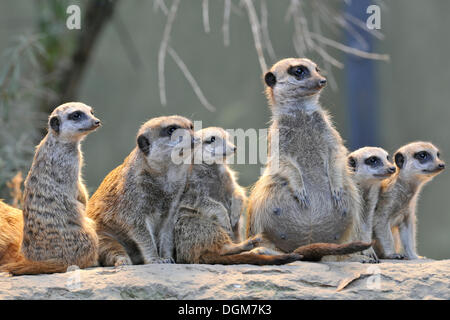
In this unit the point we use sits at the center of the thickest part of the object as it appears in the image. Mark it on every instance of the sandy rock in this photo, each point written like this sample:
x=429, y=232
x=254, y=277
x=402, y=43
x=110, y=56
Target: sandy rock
x=421, y=279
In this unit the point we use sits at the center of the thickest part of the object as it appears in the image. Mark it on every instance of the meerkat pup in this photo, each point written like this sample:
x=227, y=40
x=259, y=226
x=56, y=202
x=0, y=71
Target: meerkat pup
x=11, y=227
x=56, y=232
x=417, y=163
x=370, y=165
x=134, y=205
x=206, y=222
x=306, y=193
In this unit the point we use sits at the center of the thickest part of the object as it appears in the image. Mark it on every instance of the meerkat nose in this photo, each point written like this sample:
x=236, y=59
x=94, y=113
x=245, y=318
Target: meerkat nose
x=322, y=82
x=97, y=122
x=391, y=169
x=441, y=165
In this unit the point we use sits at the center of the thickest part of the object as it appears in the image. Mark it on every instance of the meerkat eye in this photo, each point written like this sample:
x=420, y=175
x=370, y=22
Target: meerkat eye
x=191, y=127
x=422, y=155
x=388, y=158
x=372, y=161
x=438, y=154
x=92, y=112
x=212, y=139
x=75, y=116
x=170, y=130
x=298, y=72
x=317, y=69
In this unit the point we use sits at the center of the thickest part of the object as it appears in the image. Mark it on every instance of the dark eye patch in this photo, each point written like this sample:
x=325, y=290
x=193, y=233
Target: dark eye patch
x=211, y=140
x=167, y=131
x=300, y=72
x=423, y=156
x=373, y=161
x=76, y=116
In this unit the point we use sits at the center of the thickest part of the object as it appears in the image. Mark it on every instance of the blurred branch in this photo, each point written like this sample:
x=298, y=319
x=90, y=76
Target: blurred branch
x=98, y=13
x=190, y=79
x=163, y=50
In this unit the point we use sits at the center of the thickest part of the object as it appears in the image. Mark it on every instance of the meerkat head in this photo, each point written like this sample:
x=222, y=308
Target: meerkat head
x=215, y=146
x=419, y=160
x=293, y=79
x=72, y=121
x=370, y=164
x=161, y=140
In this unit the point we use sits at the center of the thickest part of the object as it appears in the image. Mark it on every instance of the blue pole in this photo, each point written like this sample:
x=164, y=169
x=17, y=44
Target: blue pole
x=361, y=86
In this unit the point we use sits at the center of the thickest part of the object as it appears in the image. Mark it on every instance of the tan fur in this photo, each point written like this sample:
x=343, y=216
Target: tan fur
x=396, y=207
x=134, y=205
x=370, y=165
x=11, y=228
x=310, y=196
x=56, y=232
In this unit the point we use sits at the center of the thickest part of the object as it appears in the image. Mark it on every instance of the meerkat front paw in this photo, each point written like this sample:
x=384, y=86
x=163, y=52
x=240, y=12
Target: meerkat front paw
x=302, y=197
x=338, y=198
x=251, y=243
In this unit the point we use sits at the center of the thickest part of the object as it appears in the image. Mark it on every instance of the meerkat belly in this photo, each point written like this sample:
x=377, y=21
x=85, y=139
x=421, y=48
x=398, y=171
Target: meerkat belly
x=289, y=225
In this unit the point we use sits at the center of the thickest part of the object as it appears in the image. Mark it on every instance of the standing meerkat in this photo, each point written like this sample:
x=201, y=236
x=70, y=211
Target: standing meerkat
x=417, y=163
x=134, y=205
x=56, y=232
x=209, y=211
x=11, y=226
x=310, y=195
x=370, y=165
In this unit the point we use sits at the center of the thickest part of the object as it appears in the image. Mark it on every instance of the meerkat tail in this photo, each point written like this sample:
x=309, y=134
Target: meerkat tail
x=27, y=267
x=315, y=251
x=251, y=258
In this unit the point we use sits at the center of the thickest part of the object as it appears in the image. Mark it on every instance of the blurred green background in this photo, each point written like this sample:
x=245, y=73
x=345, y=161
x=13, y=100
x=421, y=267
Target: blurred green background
x=121, y=83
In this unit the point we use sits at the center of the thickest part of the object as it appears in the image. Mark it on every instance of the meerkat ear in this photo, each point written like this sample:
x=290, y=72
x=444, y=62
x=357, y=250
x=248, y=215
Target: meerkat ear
x=352, y=162
x=54, y=124
x=270, y=79
x=399, y=160
x=143, y=144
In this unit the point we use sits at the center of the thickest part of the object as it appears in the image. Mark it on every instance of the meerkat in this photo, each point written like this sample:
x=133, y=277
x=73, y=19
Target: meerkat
x=417, y=163
x=370, y=165
x=205, y=223
x=134, y=205
x=11, y=226
x=56, y=232
x=309, y=196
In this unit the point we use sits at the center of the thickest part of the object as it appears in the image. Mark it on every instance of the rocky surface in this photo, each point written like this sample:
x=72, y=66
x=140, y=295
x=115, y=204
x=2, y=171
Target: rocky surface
x=422, y=279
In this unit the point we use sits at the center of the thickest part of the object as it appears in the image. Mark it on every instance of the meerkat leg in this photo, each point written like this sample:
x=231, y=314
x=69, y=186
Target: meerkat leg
x=112, y=253
x=144, y=235
x=385, y=241
x=215, y=210
x=408, y=238
x=235, y=248
x=289, y=170
x=83, y=195
x=237, y=204
x=335, y=169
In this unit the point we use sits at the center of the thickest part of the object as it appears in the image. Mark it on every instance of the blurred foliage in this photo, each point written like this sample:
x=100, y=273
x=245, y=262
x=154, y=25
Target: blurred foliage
x=29, y=68
x=17, y=118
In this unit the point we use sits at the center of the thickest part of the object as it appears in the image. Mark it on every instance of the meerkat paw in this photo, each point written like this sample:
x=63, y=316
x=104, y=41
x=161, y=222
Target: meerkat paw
x=302, y=197
x=122, y=261
x=338, y=198
x=251, y=243
x=162, y=261
x=395, y=256
x=370, y=253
